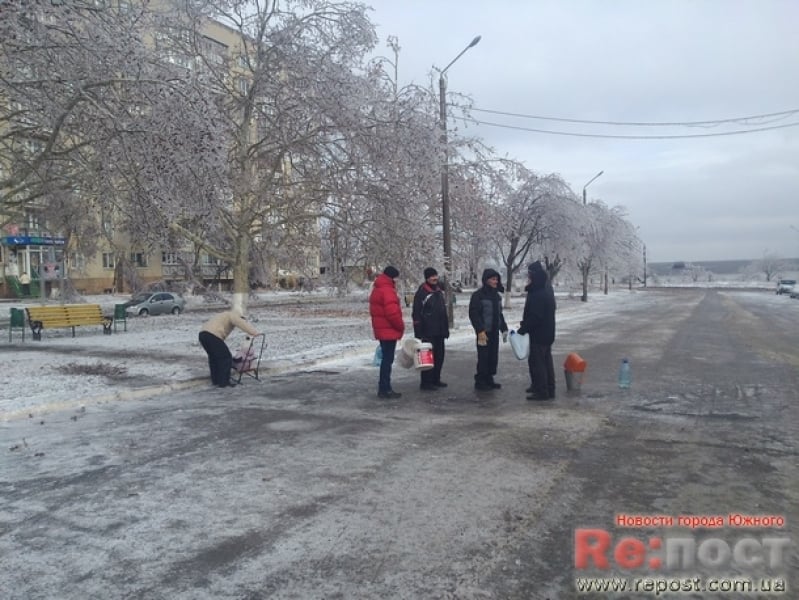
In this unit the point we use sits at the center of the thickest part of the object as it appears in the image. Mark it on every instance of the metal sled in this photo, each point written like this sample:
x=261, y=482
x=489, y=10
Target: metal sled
x=251, y=367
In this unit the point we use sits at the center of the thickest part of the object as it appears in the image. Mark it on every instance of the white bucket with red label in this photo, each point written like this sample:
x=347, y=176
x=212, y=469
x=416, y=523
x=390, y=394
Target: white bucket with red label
x=423, y=359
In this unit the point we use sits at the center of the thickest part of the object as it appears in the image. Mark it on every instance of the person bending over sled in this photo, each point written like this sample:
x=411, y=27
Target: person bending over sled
x=212, y=339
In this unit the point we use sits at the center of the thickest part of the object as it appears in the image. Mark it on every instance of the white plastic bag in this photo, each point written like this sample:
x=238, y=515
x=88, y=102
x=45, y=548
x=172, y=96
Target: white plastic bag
x=520, y=343
x=243, y=358
x=407, y=352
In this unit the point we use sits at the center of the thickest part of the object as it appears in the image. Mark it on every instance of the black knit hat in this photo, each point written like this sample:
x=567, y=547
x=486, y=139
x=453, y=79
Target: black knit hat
x=391, y=272
x=429, y=272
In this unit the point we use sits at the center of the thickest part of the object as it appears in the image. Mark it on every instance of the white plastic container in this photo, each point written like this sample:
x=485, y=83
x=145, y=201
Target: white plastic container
x=423, y=359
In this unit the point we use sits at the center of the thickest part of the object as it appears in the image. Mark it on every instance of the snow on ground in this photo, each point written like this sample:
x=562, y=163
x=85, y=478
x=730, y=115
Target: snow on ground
x=301, y=331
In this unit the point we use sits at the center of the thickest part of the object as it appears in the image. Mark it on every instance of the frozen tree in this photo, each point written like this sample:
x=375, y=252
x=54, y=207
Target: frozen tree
x=559, y=243
x=97, y=127
x=595, y=230
x=338, y=149
x=67, y=70
x=279, y=98
x=769, y=265
x=474, y=219
x=606, y=241
x=528, y=203
x=629, y=261
x=385, y=206
x=624, y=249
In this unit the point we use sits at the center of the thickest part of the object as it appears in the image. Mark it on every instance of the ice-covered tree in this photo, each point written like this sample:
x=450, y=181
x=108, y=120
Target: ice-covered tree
x=528, y=205
x=595, y=231
x=69, y=74
x=769, y=265
x=385, y=206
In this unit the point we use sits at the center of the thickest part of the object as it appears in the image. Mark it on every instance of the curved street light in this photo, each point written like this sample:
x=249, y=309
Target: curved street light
x=589, y=183
x=442, y=89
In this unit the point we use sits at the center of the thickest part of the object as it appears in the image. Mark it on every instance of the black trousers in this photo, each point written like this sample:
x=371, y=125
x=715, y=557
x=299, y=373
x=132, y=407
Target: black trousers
x=487, y=359
x=432, y=376
x=220, y=360
x=542, y=371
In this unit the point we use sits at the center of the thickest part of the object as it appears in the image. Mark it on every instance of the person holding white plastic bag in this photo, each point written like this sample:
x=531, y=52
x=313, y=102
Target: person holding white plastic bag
x=431, y=324
x=538, y=320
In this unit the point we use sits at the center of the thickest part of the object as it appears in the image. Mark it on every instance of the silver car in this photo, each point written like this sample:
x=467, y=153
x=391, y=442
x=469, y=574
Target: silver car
x=785, y=286
x=155, y=303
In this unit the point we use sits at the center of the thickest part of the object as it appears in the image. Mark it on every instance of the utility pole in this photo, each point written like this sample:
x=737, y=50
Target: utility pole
x=445, y=225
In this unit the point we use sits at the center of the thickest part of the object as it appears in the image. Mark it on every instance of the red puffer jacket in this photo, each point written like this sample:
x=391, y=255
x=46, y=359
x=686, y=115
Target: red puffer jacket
x=385, y=309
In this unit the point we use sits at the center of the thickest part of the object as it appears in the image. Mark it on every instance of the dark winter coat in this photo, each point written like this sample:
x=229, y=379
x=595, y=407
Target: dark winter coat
x=485, y=306
x=430, y=312
x=385, y=310
x=538, y=318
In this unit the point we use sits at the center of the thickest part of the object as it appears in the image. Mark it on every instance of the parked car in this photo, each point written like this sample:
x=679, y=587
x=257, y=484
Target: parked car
x=155, y=303
x=795, y=293
x=786, y=286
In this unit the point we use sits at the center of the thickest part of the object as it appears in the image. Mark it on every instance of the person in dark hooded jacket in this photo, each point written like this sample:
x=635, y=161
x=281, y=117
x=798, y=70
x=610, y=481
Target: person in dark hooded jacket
x=538, y=320
x=431, y=324
x=485, y=314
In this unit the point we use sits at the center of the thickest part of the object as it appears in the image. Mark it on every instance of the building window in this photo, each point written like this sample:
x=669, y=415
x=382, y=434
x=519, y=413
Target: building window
x=138, y=259
x=213, y=50
x=33, y=222
x=244, y=86
x=108, y=260
x=169, y=258
x=108, y=225
x=76, y=261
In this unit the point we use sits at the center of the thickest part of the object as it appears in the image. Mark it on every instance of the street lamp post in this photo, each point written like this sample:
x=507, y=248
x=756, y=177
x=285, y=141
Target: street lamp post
x=594, y=178
x=442, y=90
x=590, y=181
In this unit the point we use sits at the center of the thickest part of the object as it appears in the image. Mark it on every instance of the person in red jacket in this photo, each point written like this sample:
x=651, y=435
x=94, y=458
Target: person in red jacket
x=387, y=324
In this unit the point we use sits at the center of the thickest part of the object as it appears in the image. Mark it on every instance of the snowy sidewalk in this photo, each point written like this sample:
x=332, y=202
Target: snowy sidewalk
x=163, y=353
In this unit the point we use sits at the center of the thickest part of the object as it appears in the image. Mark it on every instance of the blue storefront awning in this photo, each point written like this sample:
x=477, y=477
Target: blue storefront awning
x=32, y=240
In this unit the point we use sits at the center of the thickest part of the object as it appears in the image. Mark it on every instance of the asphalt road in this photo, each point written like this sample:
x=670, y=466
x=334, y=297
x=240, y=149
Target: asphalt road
x=306, y=486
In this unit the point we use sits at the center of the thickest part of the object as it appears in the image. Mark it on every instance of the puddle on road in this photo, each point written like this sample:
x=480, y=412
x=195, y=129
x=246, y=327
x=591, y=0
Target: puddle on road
x=737, y=402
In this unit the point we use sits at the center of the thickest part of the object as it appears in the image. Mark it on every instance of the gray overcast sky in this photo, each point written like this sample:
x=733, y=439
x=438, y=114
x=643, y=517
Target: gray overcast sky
x=732, y=197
